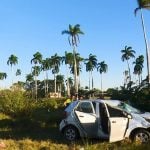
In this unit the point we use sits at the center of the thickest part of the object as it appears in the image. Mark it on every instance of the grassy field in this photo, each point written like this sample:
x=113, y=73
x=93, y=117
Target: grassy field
x=40, y=132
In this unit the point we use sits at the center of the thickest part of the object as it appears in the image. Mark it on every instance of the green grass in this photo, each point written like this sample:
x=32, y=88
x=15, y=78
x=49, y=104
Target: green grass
x=40, y=131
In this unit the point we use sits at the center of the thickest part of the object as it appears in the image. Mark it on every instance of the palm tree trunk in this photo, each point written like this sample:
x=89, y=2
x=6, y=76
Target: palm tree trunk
x=101, y=87
x=60, y=87
x=68, y=89
x=46, y=82
x=89, y=80
x=147, y=47
x=12, y=74
x=75, y=72
x=36, y=87
x=139, y=80
x=92, y=80
x=129, y=71
x=55, y=82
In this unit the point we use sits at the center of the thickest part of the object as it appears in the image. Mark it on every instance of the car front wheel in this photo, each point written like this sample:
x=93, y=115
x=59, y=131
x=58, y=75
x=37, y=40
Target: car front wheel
x=70, y=133
x=141, y=136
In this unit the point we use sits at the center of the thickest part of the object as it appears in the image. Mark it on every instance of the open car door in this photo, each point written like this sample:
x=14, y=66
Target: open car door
x=118, y=123
x=118, y=128
x=87, y=118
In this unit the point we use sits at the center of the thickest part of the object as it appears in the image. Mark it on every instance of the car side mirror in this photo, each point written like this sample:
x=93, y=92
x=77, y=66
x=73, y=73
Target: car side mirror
x=129, y=116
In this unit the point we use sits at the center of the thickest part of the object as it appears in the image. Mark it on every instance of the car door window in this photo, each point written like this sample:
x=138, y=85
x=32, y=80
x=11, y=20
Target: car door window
x=85, y=107
x=113, y=112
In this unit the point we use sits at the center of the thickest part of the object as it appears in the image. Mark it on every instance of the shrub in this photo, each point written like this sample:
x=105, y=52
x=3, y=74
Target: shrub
x=11, y=101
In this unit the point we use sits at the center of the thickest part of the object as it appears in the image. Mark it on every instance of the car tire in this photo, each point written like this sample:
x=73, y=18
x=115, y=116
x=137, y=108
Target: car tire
x=141, y=136
x=71, y=133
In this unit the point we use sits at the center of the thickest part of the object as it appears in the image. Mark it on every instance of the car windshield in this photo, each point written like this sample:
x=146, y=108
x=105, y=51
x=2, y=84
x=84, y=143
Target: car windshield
x=129, y=108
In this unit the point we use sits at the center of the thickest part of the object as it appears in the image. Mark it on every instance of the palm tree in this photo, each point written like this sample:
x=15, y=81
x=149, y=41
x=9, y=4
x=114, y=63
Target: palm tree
x=12, y=60
x=55, y=62
x=68, y=59
x=35, y=72
x=91, y=63
x=126, y=77
x=3, y=75
x=127, y=53
x=29, y=80
x=60, y=82
x=73, y=39
x=37, y=59
x=45, y=66
x=18, y=72
x=79, y=59
x=144, y=4
x=138, y=67
x=102, y=67
x=71, y=85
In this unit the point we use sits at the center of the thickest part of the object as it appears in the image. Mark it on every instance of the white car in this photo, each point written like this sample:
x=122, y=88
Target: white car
x=106, y=119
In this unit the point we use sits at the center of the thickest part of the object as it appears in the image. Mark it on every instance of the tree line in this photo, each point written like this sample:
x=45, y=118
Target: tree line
x=73, y=60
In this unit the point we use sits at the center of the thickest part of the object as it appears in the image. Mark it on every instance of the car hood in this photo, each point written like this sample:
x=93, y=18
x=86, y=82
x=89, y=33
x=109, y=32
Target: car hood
x=145, y=115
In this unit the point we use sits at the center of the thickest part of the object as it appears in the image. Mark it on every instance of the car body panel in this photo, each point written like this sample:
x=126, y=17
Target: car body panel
x=118, y=128
x=88, y=122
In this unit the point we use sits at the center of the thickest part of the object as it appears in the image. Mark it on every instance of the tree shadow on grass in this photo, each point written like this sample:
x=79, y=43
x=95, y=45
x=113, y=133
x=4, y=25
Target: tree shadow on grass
x=15, y=130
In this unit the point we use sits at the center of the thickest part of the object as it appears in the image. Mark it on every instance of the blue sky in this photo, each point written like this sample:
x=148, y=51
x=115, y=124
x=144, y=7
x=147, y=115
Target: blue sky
x=28, y=26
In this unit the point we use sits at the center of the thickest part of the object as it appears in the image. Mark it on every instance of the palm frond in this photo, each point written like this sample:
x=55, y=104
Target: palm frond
x=65, y=32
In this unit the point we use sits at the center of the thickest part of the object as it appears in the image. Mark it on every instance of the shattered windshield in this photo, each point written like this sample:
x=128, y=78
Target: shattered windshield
x=128, y=108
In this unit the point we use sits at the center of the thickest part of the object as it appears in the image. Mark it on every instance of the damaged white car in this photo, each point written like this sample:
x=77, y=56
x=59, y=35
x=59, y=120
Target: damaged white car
x=104, y=119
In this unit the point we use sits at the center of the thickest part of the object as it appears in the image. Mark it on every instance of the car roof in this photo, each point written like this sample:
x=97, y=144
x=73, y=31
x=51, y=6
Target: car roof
x=109, y=102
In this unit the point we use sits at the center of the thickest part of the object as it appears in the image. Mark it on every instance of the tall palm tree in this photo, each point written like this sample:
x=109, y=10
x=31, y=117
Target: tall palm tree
x=29, y=80
x=91, y=63
x=127, y=53
x=102, y=67
x=35, y=72
x=60, y=82
x=138, y=67
x=55, y=62
x=79, y=60
x=12, y=60
x=68, y=59
x=45, y=66
x=37, y=59
x=144, y=4
x=71, y=84
x=74, y=32
x=126, y=77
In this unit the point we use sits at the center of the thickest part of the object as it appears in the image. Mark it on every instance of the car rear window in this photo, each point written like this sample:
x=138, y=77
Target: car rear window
x=85, y=107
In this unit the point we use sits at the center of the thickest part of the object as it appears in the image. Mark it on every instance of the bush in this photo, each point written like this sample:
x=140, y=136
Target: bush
x=11, y=101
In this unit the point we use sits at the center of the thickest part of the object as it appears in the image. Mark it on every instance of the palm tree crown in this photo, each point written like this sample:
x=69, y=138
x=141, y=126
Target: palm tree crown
x=127, y=53
x=91, y=62
x=18, y=72
x=142, y=4
x=3, y=75
x=138, y=64
x=102, y=67
x=12, y=60
x=37, y=58
x=73, y=33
